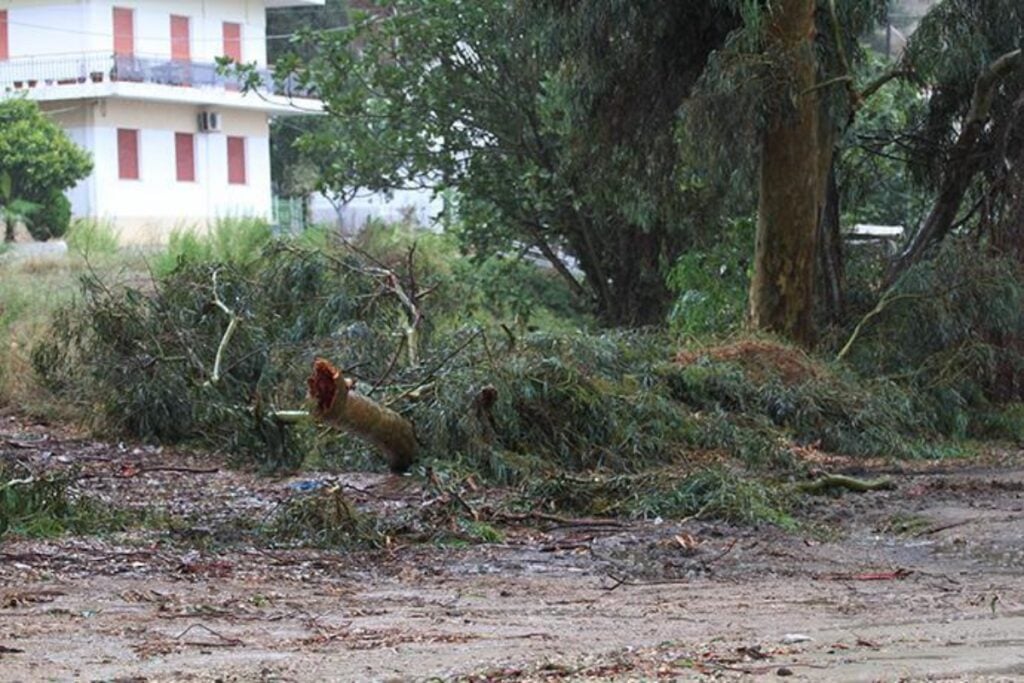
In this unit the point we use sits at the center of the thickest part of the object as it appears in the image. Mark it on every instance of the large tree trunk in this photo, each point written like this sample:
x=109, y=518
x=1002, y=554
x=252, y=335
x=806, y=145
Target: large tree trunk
x=831, y=271
x=791, y=187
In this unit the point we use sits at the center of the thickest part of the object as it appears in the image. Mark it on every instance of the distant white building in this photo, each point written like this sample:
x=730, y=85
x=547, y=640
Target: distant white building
x=174, y=144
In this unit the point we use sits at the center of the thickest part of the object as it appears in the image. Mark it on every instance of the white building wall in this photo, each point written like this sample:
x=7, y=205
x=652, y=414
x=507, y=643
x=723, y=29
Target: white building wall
x=38, y=28
x=147, y=209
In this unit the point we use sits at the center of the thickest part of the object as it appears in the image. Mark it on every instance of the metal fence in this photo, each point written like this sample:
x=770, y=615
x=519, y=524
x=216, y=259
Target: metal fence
x=31, y=72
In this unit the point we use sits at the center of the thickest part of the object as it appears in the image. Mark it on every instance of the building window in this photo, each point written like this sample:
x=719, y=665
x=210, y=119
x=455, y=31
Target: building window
x=4, y=50
x=128, y=154
x=236, y=160
x=180, y=39
x=185, y=157
x=233, y=41
x=124, y=31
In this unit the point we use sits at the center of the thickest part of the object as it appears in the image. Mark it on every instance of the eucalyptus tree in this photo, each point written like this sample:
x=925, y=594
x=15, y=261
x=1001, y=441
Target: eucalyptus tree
x=547, y=147
x=968, y=145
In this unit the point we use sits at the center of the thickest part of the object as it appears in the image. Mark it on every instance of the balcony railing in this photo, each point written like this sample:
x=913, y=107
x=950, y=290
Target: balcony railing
x=32, y=72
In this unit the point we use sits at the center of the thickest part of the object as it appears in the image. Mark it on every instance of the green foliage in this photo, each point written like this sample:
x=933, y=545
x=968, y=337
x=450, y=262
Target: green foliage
x=953, y=329
x=759, y=398
x=324, y=518
x=38, y=161
x=488, y=99
x=52, y=218
x=90, y=237
x=711, y=283
x=723, y=494
x=871, y=167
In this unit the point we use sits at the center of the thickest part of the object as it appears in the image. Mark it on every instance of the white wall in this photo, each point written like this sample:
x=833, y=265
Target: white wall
x=420, y=207
x=37, y=27
x=147, y=209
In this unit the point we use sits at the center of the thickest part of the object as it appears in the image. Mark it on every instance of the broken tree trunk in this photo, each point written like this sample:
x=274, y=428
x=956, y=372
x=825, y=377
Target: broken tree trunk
x=338, y=406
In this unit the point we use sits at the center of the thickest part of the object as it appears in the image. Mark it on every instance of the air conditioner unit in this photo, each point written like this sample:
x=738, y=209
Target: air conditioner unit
x=209, y=121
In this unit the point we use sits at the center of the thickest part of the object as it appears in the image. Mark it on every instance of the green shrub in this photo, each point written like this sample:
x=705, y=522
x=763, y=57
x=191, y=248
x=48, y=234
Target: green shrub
x=51, y=218
x=711, y=283
x=42, y=506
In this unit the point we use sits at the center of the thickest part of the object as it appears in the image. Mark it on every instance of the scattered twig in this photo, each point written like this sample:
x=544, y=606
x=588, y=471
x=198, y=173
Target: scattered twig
x=723, y=553
x=943, y=527
x=566, y=522
x=625, y=581
x=894, y=575
x=227, y=642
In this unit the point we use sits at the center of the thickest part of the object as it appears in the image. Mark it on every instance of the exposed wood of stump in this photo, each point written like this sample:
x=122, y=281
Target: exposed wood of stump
x=337, y=405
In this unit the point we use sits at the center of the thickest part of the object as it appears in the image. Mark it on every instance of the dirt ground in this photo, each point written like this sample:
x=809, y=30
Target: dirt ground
x=922, y=582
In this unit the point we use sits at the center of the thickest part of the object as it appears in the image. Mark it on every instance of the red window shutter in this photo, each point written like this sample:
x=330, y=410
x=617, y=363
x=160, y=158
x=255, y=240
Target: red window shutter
x=128, y=153
x=236, y=160
x=124, y=31
x=233, y=40
x=185, y=156
x=4, y=48
x=180, y=43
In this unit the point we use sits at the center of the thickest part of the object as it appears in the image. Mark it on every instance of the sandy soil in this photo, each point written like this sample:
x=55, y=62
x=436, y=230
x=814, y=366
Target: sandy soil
x=923, y=582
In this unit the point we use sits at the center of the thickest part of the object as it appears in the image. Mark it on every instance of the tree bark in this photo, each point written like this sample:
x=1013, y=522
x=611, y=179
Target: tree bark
x=337, y=405
x=791, y=187
x=831, y=272
x=960, y=168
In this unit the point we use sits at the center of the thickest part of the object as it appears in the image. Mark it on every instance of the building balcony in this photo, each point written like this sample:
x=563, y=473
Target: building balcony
x=54, y=71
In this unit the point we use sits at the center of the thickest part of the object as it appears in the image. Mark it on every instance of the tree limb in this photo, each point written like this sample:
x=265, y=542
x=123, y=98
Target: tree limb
x=959, y=171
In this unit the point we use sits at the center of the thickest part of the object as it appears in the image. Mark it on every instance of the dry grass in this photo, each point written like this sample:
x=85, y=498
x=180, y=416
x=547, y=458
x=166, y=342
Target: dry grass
x=761, y=360
x=31, y=289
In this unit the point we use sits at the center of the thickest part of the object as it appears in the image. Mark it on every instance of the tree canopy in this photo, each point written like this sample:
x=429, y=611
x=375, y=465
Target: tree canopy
x=38, y=161
x=612, y=137
x=496, y=101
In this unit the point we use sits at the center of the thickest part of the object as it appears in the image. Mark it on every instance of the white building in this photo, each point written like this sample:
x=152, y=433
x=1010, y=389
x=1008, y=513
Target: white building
x=174, y=143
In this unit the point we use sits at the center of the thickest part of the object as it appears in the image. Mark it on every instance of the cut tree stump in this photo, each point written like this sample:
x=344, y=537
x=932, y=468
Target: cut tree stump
x=338, y=405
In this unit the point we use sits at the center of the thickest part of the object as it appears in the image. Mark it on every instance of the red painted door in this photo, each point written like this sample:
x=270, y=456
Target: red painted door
x=185, y=156
x=233, y=40
x=180, y=39
x=4, y=49
x=128, y=154
x=124, y=31
x=236, y=160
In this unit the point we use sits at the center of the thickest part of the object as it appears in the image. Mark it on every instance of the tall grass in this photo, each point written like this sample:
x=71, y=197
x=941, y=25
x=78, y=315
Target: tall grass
x=30, y=291
x=89, y=237
x=236, y=241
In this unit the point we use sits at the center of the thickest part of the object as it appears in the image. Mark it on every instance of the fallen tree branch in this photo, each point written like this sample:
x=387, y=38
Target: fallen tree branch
x=338, y=406
x=829, y=482
x=228, y=333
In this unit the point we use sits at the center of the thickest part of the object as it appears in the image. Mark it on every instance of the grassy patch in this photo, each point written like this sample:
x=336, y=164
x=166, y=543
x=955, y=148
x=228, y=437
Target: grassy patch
x=235, y=241
x=43, y=507
x=93, y=237
x=324, y=518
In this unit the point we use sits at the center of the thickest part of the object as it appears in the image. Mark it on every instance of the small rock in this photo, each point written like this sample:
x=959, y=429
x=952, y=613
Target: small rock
x=783, y=671
x=792, y=638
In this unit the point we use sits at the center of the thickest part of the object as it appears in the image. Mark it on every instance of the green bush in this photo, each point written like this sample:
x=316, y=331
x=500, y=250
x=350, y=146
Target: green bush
x=711, y=283
x=51, y=218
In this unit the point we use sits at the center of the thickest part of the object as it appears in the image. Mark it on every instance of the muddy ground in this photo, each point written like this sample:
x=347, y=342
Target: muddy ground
x=921, y=582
